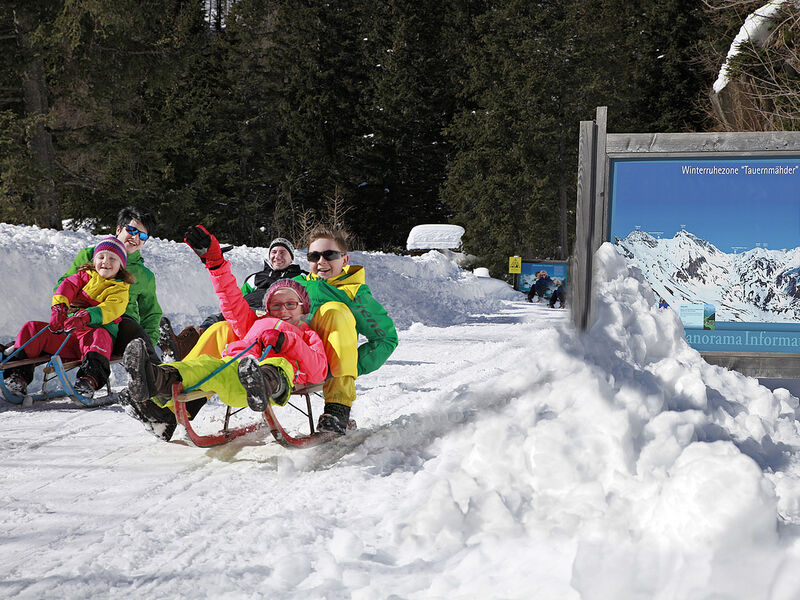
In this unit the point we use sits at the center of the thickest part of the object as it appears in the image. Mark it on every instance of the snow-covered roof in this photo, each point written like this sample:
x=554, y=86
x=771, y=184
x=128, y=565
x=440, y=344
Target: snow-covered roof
x=435, y=237
x=756, y=28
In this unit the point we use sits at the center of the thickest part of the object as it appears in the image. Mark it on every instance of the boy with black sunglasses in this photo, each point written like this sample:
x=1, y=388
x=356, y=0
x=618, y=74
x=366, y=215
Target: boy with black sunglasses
x=342, y=307
x=142, y=318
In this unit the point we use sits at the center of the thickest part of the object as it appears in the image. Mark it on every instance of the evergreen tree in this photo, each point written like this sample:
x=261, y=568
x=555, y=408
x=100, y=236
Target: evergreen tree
x=314, y=58
x=401, y=151
x=507, y=180
x=28, y=174
x=540, y=69
x=113, y=65
x=666, y=83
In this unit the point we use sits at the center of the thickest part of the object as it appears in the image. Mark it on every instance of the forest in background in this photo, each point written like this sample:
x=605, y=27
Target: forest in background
x=260, y=117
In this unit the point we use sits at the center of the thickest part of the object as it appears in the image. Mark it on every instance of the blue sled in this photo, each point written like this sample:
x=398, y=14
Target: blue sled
x=54, y=369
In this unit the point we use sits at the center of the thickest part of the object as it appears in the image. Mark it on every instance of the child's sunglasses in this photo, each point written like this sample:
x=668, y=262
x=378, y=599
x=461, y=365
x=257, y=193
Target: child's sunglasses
x=133, y=231
x=326, y=254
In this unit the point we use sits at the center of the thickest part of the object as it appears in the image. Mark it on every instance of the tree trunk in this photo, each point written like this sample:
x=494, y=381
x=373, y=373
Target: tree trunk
x=563, y=250
x=47, y=205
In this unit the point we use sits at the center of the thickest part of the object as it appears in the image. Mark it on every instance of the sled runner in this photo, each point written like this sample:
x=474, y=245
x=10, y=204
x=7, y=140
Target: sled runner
x=281, y=435
x=54, y=369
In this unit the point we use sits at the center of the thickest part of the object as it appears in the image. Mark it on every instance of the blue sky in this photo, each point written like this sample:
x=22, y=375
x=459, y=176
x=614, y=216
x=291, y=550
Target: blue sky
x=738, y=208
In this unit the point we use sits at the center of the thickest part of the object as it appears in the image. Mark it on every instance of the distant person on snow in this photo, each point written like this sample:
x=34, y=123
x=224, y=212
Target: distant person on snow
x=541, y=286
x=558, y=294
x=141, y=320
x=88, y=305
x=279, y=264
x=297, y=354
x=342, y=307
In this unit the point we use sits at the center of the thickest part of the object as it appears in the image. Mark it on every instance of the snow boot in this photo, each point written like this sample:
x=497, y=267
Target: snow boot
x=177, y=346
x=334, y=419
x=186, y=340
x=86, y=386
x=168, y=341
x=262, y=383
x=17, y=379
x=146, y=381
x=92, y=374
x=158, y=421
x=15, y=384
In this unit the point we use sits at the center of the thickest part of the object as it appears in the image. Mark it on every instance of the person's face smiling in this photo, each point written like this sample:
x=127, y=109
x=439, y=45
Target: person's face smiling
x=279, y=258
x=326, y=268
x=279, y=304
x=106, y=263
x=132, y=242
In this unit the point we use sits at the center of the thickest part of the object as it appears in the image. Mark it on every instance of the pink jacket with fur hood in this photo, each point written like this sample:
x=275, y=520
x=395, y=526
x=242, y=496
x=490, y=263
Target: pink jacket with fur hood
x=302, y=346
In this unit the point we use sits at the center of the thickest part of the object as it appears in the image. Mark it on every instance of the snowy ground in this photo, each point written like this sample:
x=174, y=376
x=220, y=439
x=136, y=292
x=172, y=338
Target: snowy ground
x=498, y=455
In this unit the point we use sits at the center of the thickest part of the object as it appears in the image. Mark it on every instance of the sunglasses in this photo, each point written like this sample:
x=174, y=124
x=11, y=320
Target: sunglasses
x=287, y=305
x=326, y=254
x=133, y=231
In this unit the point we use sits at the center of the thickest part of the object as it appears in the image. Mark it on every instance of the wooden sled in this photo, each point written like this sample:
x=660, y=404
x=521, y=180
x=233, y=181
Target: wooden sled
x=54, y=370
x=313, y=438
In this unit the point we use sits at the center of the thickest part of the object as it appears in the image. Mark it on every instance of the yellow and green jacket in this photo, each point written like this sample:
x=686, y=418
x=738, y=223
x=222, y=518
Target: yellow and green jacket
x=372, y=321
x=143, y=304
x=104, y=299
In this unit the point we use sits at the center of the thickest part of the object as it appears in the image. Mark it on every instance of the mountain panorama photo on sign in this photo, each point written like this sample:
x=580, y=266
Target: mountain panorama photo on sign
x=717, y=239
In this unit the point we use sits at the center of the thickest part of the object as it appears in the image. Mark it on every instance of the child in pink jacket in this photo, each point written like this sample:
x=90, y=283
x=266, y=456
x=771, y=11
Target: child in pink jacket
x=296, y=353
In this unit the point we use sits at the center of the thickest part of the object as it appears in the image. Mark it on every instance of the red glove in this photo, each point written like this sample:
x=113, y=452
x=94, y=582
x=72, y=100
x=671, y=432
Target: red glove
x=274, y=338
x=58, y=315
x=77, y=321
x=204, y=245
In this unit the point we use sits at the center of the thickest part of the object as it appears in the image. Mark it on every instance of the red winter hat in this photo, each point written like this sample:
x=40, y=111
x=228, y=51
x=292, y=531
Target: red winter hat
x=293, y=285
x=112, y=244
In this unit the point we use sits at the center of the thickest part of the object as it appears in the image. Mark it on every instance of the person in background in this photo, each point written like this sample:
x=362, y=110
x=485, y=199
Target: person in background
x=342, y=308
x=142, y=317
x=87, y=305
x=541, y=286
x=558, y=294
x=279, y=264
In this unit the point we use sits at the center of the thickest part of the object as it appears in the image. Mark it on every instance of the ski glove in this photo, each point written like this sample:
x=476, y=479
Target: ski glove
x=77, y=321
x=274, y=338
x=58, y=314
x=205, y=246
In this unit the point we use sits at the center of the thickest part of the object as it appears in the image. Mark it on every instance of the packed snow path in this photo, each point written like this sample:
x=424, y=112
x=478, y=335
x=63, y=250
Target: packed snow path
x=95, y=506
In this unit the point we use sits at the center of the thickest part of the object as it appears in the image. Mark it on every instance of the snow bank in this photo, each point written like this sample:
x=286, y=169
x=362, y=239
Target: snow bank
x=429, y=289
x=607, y=466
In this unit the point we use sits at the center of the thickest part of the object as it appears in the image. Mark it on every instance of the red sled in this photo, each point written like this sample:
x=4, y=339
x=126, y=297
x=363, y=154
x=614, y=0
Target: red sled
x=228, y=433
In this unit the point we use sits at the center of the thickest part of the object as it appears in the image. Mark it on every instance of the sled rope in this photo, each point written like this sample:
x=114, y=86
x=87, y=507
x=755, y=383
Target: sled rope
x=227, y=364
x=18, y=350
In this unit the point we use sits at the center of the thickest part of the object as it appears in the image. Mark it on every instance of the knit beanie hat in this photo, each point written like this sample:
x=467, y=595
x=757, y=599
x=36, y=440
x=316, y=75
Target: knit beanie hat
x=112, y=244
x=293, y=285
x=282, y=242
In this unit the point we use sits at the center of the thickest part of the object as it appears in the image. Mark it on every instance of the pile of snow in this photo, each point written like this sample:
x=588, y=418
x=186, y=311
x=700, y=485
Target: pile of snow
x=435, y=237
x=411, y=288
x=502, y=457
